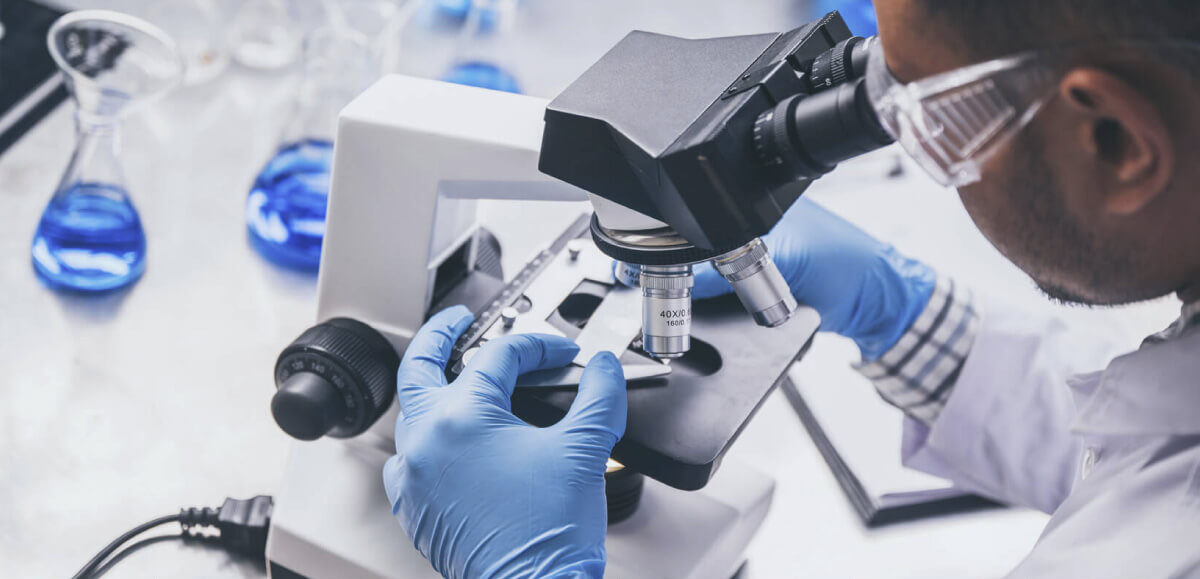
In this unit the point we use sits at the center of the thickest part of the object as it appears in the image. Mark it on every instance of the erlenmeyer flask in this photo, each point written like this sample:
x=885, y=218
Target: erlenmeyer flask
x=90, y=237
x=481, y=57
x=285, y=210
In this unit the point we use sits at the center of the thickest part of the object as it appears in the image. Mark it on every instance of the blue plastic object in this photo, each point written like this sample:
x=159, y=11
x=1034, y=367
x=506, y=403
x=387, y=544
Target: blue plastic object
x=863, y=288
x=90, y=239
x=858, y=14
x=285, y=210
x=483, y=75
x=480, y=492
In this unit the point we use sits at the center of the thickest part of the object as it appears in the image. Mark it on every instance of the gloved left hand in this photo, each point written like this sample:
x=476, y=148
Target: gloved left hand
x=480, y=492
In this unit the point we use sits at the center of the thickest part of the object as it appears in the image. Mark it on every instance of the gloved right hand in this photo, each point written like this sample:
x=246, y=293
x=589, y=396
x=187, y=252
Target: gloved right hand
x=862, y=288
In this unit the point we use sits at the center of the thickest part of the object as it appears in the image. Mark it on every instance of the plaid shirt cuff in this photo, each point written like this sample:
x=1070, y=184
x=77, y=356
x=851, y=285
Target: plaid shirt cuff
x=918, y=373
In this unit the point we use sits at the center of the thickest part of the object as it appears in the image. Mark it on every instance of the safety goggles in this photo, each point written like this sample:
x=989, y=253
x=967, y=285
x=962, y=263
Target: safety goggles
x=953, y=122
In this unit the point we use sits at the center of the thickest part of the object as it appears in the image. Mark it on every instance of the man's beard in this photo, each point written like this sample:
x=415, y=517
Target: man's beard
x=1069, y=264
x=1063, y=295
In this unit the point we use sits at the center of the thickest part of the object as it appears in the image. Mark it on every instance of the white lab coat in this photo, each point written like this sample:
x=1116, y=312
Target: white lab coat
x=1114, y=454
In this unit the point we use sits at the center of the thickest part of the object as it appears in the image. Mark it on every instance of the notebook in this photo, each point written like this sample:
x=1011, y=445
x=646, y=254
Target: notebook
x=859, y=436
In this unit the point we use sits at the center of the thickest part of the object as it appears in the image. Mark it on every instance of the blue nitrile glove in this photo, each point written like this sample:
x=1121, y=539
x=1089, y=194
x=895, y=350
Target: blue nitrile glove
x=862, y=288
x=483, y=494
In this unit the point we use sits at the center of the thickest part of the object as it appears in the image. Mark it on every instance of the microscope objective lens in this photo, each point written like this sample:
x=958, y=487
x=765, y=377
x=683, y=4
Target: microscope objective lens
x=627, y=274
x=666, y=310
x=758, y=284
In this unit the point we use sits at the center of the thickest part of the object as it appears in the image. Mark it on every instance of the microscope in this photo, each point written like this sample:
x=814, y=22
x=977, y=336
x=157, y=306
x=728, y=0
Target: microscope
x=688, y=151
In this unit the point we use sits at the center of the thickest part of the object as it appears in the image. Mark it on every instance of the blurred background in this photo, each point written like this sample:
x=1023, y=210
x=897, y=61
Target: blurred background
x=139, y=381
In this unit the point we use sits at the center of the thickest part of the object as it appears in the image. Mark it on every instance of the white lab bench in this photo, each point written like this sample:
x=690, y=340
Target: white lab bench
x=124, y=407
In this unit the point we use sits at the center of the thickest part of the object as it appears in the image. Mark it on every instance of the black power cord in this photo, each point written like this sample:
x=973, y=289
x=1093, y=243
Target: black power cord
x=241, y=525
x=132, y=548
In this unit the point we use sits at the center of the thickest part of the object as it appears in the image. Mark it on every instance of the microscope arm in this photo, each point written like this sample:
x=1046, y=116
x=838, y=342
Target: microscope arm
x=412, y=156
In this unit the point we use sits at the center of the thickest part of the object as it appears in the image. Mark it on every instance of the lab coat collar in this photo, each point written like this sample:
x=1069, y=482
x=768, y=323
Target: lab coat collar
x=1152, y=391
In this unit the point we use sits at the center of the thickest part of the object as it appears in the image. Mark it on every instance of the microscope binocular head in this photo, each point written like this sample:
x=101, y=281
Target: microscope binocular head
x=693, y=149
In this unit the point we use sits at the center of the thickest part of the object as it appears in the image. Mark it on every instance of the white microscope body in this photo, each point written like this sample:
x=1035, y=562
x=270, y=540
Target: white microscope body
x=411, y=158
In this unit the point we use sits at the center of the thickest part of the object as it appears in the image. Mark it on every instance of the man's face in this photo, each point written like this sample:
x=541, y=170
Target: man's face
x=1036, y=200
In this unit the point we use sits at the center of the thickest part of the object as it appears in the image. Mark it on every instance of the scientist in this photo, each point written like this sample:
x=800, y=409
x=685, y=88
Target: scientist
x=1094, y=191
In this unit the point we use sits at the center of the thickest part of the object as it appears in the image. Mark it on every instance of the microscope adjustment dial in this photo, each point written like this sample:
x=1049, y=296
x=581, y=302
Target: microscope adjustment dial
x=336, y=379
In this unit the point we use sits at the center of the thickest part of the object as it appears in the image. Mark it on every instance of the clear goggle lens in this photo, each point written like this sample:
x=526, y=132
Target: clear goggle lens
x=953, y=122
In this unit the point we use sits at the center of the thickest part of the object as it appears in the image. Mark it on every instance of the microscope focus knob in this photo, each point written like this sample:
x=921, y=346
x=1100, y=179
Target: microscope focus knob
x=336, y=379
x=845, y=61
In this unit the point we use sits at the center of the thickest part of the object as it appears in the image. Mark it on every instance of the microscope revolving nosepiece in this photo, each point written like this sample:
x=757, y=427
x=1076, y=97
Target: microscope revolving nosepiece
x=758, y=284
x=666, y=310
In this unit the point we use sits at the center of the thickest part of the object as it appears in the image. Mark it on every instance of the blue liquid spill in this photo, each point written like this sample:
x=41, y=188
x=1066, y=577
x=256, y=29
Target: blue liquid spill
x=483, y=75
x=90, y=239
x=858, y=14
x=285, y=211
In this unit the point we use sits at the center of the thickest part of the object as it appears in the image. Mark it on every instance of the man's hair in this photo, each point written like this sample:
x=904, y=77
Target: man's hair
x=993, y=28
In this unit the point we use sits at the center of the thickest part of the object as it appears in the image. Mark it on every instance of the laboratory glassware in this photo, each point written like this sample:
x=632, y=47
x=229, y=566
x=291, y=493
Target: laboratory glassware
x=482, y=55
x=379, y=21
x=265, y=35
x=90, y=237
x=200, y=30
x=285, y=210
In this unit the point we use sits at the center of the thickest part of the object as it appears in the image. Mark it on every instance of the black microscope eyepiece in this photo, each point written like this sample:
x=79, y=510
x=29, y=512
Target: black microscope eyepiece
x=806, y=135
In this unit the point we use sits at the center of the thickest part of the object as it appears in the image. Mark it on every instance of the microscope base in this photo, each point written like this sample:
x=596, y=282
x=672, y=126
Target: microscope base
x=319, y=530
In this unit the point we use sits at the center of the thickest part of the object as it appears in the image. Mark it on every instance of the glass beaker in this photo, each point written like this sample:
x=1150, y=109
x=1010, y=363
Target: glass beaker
x=90, y=237
x=380, y=22
x=285, y=210
x=200, y=31
x=481, y=57
x=265, y=35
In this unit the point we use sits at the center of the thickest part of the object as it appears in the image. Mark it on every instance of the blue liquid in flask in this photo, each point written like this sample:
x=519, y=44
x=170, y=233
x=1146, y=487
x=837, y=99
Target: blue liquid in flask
x=285, y=211
x=483, y=75
x=90, y=239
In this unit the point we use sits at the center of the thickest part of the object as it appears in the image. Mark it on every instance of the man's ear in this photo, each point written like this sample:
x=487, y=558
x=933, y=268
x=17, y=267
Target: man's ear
x=1125, y=133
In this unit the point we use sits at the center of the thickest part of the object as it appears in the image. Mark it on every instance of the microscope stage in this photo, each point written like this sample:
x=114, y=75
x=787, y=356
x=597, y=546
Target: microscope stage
x=679, y=426
x=677, y=433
